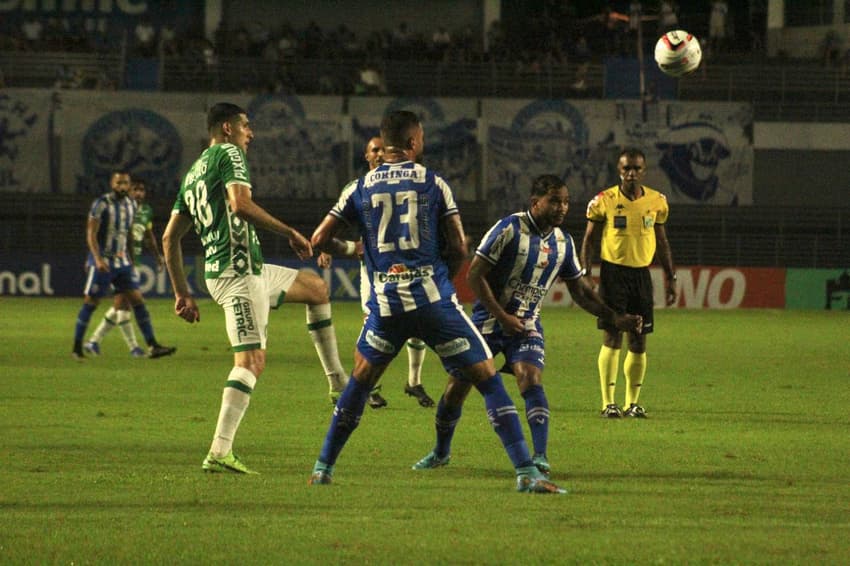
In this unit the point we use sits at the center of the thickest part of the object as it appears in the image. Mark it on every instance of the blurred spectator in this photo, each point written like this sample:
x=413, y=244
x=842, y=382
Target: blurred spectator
x=441, y=40
x=32, y=31
x=717, y=25
x=145, y=37
x=832, y=48
x=371, y=80
x=668, y=19
x=168, y=40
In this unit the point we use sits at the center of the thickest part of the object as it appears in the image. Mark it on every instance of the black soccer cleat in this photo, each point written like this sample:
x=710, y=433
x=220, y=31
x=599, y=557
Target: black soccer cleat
x=612, y=411
x=159, y=351
x=635, y=411
x=419, y=392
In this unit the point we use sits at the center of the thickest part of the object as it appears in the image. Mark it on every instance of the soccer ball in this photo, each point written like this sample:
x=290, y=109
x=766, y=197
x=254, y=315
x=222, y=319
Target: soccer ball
x=677, y=53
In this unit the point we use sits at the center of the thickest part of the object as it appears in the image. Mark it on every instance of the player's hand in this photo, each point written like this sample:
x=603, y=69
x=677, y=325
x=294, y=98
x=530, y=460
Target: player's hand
x=187, y=309
x=629, y=323
x=512, y=324
x=101, y=264
x=301, y=246
x=670, y=292
x=358, y=249
x=324, y=260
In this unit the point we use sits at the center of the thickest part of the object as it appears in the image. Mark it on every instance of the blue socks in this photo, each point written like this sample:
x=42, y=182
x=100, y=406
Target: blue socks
x=503, y=416
x=83, y=318
x=537, y=414
x=143, y=319
x=345, y=419
x=445, y=421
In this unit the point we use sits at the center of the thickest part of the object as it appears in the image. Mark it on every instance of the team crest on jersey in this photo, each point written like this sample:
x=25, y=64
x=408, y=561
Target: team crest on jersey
x=135, y=140
x=690, y=157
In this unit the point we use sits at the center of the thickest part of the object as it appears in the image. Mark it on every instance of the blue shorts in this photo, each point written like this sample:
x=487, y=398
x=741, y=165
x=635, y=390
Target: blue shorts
x=528, y=347
x=443, y=326
x=122, y=279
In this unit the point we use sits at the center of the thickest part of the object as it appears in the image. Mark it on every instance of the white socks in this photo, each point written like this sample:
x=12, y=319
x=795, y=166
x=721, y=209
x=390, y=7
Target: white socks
x=234, y=403
x=121, y=319
x=415, y=357
x=321, y=330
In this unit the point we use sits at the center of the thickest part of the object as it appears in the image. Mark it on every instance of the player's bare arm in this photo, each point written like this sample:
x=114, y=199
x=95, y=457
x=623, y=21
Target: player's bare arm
x=477, y=280
x=91, y=240
x=244, y=206
x=587, y=298
x=665, y=256
x=153, y=247
x=172, y=245
x=455, y=253
x=592, y=237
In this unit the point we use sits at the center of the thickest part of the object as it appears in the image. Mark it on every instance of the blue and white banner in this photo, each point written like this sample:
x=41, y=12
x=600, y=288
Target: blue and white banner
x=451, y=136
x=300, y=146
x=696, y=153
x=26, y=151
x=152, y=136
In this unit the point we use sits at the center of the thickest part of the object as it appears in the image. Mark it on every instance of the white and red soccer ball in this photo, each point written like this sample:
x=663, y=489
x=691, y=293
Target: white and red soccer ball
x=677, y=53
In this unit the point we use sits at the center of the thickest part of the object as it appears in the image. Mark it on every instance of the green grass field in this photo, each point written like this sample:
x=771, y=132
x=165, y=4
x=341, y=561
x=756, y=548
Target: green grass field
x=744, y=459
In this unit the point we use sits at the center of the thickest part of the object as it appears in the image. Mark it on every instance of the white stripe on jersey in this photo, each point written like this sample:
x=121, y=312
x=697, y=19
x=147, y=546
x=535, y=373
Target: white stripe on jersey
x=451, y=206
x=431, y=289
x=408, y=303
x=472, y=326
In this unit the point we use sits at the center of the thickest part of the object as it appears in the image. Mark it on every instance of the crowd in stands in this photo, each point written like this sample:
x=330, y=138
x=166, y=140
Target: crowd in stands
x=556, y=36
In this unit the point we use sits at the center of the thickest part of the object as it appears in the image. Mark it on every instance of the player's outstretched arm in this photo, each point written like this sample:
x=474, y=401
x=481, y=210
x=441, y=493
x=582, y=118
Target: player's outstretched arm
x=244, y=206
x=172, y=244
x=592, y=235
x=588, y=299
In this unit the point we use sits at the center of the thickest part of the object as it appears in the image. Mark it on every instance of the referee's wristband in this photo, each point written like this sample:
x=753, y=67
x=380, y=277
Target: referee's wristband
x=350, y=247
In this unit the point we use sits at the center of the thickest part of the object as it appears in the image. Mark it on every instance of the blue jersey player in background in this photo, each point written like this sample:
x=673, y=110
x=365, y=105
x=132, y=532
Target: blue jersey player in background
x=515, y=265
x=109, y=263
x=413, y=244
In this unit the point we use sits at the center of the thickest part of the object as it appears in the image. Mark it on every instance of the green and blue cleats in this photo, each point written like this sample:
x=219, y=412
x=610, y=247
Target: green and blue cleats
x=322, y=474
x=226, y=464
x=530, y=480
x=432, y=461
x=542, y=464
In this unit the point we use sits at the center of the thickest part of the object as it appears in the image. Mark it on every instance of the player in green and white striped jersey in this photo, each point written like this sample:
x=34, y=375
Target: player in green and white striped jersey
x=215, y=198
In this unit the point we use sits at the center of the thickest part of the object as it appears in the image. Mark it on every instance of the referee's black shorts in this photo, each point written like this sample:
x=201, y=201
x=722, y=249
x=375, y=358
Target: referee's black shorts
x=627, y=290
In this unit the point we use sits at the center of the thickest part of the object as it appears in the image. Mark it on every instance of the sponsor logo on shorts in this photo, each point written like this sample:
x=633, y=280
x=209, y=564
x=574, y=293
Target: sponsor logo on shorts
x=383, y=346
x=244, y=318
x=399, y=273
x=453, y=347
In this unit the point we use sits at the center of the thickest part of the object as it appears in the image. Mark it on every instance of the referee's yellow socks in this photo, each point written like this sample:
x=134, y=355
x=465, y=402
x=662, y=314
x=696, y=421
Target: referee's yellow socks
x=634, y=367
x=609, y=363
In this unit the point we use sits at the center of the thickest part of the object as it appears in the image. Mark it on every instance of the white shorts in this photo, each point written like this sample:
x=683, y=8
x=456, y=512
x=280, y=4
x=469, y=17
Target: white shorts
x=246, y=302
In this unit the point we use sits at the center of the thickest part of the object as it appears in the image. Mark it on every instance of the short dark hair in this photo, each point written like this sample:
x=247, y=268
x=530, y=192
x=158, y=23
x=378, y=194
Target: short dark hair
x=545, y=183
x=137, y=181
x=631, y=153
x=396, y=127
x=221, y=112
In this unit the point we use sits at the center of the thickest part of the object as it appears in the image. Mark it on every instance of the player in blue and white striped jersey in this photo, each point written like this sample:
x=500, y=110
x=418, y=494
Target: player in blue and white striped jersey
x=515, y=265
x=413, y=244
x=109, y=264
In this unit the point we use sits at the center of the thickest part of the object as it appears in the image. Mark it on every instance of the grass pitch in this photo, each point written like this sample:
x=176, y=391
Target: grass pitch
x=744, y=458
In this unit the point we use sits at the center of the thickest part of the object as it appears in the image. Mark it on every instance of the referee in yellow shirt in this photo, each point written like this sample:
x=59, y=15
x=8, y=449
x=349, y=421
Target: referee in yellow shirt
x=629, y=220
